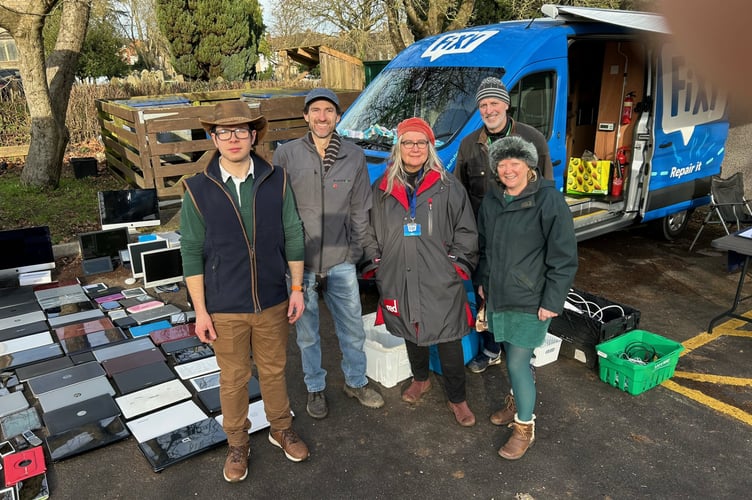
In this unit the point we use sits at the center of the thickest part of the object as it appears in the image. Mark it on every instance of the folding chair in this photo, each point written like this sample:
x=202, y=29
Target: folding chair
x=728, y=206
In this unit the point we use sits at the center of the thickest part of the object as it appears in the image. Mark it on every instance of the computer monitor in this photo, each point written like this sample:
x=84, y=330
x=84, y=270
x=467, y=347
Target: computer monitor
x=130, y=208
x=25, y=250
x=103, y=243
x=136, y=249
x=162, y=267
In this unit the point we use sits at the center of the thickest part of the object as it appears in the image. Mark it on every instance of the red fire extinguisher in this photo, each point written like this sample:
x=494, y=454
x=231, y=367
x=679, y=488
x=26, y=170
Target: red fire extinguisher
x=618, y=180
x=627, y=108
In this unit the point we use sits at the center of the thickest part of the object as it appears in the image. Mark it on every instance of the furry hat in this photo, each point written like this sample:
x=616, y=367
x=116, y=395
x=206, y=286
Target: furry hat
x=512, y=146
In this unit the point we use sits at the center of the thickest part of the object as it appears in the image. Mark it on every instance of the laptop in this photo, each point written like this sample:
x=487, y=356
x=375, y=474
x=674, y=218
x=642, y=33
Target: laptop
x=256, y=415
x=86, y=437
x=191, y=354
x=43, y=367
x=205, y=382
x=150, y=315
x=142, y=377
x=183, y=443
x=146, y=329
x=81, y=357
x=73, y=393
x=163, y=421
x=178, y=345
x=12, y=296
x=23, y=330
x=133, y=360
x=22, y=319
x=196, y=368
x=123, y=348
x=75, y=317
x=91, y=341
x=76, y=329
x=29, y=356
x=173, y=333
x=12, y=403
x=19, y=309
x=82, y=412
x=57, y=291
x=152, y=398
x=62, y=378
x=210, y=397
x=24, y=343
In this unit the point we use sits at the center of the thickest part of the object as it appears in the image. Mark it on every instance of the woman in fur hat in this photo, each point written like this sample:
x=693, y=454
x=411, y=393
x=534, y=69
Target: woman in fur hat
x=528, y=261
x=424, y=239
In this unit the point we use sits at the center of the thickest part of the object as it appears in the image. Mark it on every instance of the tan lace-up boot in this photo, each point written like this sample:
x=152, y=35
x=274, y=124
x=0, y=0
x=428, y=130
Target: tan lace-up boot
x=522, y=438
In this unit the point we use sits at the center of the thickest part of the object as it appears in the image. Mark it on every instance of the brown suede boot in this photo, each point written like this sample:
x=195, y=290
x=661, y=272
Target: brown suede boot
x=462, y=413
x=416, y=390
x=522, y=438
x=505, y=415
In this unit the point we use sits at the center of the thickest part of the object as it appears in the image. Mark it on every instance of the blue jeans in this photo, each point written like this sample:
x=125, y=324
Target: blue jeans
x=342, y=297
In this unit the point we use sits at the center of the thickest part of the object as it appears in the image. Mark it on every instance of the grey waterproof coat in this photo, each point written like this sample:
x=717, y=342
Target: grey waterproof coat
x=422, y=295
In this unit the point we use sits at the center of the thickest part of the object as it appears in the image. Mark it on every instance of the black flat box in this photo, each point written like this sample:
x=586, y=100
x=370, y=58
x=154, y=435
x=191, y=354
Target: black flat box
x=84, y=167
x=584, y=330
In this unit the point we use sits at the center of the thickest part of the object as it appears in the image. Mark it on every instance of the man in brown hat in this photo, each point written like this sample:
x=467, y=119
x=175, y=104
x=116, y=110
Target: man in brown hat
x=235, y=261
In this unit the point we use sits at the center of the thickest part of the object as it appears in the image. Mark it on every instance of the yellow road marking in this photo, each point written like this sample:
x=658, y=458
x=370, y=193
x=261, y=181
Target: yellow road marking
x=714, y=379
x=720, y=406
x=729, y=328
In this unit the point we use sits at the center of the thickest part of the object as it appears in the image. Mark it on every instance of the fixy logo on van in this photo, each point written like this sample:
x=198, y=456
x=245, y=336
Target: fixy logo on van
x=457, y=43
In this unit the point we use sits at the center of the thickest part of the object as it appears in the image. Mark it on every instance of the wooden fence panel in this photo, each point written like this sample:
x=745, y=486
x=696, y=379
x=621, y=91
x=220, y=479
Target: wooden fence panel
x=160, y=146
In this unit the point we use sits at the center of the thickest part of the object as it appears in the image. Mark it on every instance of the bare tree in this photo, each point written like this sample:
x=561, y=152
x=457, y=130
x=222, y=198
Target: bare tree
x=138, y=22
x=426, y=17
x=47, y=84
x=354, y=19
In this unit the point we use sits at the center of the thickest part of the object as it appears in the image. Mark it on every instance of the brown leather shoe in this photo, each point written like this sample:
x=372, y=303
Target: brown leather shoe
x=522, y=438
x=236, y=463
x=462, y=413
x=416, y=390
x=505, y=416
x=294, y=447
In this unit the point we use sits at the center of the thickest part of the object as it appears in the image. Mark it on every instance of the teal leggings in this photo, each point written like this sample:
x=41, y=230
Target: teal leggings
x=521, y=377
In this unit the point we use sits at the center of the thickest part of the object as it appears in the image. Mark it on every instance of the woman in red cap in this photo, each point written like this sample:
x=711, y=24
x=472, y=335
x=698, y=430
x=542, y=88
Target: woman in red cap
x=424, y=241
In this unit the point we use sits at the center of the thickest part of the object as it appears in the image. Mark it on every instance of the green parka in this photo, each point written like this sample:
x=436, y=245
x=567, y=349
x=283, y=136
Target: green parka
x=528, y=249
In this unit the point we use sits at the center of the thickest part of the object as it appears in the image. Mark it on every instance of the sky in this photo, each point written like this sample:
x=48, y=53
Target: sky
x=266, y=6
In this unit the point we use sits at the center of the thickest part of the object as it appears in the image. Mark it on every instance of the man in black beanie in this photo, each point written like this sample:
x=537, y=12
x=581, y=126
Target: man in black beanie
x=492, y=98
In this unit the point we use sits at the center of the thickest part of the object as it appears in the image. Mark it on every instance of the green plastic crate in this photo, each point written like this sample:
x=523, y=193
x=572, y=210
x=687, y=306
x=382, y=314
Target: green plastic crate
x=632, y=377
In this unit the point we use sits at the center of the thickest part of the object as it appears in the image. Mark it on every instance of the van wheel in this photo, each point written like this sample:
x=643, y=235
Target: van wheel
x=672, y=226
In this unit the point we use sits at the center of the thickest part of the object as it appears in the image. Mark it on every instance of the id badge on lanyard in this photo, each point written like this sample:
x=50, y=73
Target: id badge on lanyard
x=412, y=229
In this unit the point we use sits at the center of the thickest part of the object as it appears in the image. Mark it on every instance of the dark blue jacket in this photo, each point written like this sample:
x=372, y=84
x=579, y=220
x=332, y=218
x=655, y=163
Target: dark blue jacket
x=242, y=272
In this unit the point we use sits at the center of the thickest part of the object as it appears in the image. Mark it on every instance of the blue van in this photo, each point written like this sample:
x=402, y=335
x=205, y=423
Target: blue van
x=607, y=82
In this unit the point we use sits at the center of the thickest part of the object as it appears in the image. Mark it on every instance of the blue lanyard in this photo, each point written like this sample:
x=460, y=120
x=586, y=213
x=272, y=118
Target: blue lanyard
x=413, y=195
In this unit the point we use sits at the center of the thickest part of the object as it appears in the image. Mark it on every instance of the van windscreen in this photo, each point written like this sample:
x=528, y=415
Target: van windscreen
x=442, y=96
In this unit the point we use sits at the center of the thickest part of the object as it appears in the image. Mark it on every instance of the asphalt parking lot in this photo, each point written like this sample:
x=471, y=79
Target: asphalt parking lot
x=688, y=438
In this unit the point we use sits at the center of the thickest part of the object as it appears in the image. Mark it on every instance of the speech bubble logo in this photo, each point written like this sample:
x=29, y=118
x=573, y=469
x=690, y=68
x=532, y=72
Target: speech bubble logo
x=688, y=98
x=457, y=43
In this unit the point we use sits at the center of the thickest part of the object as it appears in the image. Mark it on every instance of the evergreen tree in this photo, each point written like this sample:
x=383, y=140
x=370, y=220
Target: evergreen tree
x=212, y=38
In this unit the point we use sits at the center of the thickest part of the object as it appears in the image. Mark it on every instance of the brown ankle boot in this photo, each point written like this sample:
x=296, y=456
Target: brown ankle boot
x=416, y=390
x=462, y=413
x=505, y=415
x=522, y=438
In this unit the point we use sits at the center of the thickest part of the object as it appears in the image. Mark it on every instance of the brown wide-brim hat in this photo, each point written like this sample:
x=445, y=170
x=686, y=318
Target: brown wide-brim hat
x=236, y=113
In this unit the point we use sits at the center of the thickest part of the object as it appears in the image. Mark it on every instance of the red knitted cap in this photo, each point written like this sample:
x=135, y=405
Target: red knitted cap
x=416, y=125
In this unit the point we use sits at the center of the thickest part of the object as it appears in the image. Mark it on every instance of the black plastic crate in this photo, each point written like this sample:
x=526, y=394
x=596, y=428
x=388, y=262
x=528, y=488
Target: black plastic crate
x=590, y=329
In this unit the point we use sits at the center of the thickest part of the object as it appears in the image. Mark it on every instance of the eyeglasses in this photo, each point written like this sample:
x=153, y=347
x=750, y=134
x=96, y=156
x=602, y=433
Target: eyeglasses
x=412, y=144
x=225, y=134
